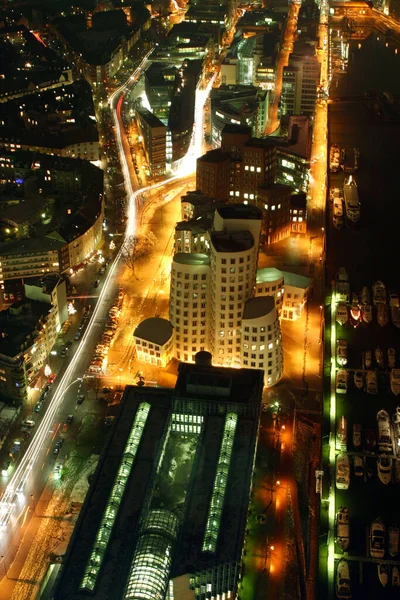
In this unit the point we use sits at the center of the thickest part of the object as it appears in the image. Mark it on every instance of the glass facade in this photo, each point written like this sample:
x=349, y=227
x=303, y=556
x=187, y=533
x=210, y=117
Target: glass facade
x=187, y=423
x=100, y=544
x=220, y=481
x=149, y=573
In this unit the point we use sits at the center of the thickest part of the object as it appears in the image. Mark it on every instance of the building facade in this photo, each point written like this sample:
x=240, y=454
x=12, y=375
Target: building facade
x=154, y=134
x=300, y=81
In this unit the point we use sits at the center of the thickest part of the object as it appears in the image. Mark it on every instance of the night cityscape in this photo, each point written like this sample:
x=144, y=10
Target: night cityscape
x=199, y=300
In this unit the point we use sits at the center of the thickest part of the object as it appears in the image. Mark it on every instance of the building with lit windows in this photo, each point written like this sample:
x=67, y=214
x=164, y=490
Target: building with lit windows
x=301, y=78
x=154, y=134
x=290, y=291
x=166, y=514
x=234, y=171
x=153, y=341
x=261, y=344
x=298, y=211
x=189, y=307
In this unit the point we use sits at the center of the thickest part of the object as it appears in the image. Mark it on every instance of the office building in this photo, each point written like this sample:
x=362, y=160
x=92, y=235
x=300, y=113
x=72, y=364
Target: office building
x=154, y=134
x=166, y=513
x=301, y=79
x=242, y=105
x=298, y=212
x=293, y=152
x=235, y=171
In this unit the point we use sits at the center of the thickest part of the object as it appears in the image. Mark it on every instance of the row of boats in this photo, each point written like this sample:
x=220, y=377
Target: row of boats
x=347, y=202
x=343, y=583
x=361, y=308
x=340, y=158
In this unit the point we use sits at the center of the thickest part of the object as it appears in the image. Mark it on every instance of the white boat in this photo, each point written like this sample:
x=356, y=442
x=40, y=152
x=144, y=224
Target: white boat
x=385, y=443
x=393, y=539
x=338, y=216
x=342, y=471
x=343, y=585
x=379, y=357
x=368, y=359
x=395, y=314
x=391, y=358
x=342, y=315
x=384, y=465
x=334, y=158
x=342, y=528
x=383, y=574
x=338, y=221
x=367, y=313
x=395, y=381
x=359, y=380
x=352, y=202
x=377, y=533
x=342, y=285
x=365, y=295
x=395, y=576
x=378, y=293
x=383, y=315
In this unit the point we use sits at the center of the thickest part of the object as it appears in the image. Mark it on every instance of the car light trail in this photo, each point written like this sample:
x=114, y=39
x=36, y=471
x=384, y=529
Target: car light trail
x=17, y=483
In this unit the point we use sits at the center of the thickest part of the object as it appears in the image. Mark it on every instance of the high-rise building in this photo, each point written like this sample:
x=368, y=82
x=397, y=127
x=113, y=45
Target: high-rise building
x=300, y=82
x=154, y=134
x=210, y=293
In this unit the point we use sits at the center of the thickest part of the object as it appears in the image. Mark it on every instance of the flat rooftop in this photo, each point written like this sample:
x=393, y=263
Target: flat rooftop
x=206, y=395
x=155, y=330
x=192, y=258
x=235, y=241
x=240, y=211
x=258, y=307
x=270, y=275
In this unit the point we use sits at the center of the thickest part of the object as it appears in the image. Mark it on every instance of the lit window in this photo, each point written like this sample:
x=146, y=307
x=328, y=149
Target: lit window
x=246, y=196
x=300, y=219
x=237, y=193
x=246, y=168
x=273, y=207
x=270, y=346
x=231, y=193
x=279, y=206
x=251, y=196
x=266, y=206
x=258, y=169
x=252, y=169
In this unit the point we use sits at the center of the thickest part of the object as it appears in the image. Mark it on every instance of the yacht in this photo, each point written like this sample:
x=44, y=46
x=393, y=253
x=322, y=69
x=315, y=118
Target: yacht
x=391, y=353
x=378, y=293
x=342, y=315
x=367, y=313
x=395, y=381
x=383, y=315
x=379, y=357
x=352, y=203
x=355, y=312
x=365, y=296
x=334, y=158
x=395, y=314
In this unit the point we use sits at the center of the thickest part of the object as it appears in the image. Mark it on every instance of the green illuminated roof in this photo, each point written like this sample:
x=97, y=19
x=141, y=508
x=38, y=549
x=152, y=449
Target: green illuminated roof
x=99, y=548
x=220, y=481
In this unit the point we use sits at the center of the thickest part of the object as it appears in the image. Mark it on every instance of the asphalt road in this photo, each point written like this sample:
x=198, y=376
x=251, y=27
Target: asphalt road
x=368, y=252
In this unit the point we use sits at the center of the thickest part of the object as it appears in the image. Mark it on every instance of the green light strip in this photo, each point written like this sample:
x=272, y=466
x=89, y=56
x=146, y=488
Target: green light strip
x=219, y=488
x=114, y=500
x=332, y=451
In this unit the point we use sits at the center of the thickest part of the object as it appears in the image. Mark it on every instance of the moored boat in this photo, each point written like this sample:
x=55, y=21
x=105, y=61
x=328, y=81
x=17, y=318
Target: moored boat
x=365, y=295
x=378, y=293
x=383, y=574
x=393, y=539
x=395, y=381
x=395, y=576
x=395, y=314
x=383, y=315
x=342, y=315
x=379, y=357
x=368, y=359
x=391, y=353
x=355, y=311
x=367, y=313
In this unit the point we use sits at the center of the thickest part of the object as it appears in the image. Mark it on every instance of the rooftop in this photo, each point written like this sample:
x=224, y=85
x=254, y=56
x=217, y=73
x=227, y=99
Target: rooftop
x=270, y=274
x=258, y=307
x=240, y=211
x=134, y=500
x=192, y=258
x=155, y=330
x=237, y=241
x=149, y=117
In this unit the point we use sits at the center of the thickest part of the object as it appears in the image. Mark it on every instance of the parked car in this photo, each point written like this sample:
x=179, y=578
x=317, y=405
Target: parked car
x=28, y=423
x=377, y=534
x=77, y=336
x=343, y=528
x=70, y=418
x=38, y=407
x=80, y=399
x=96, y=283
